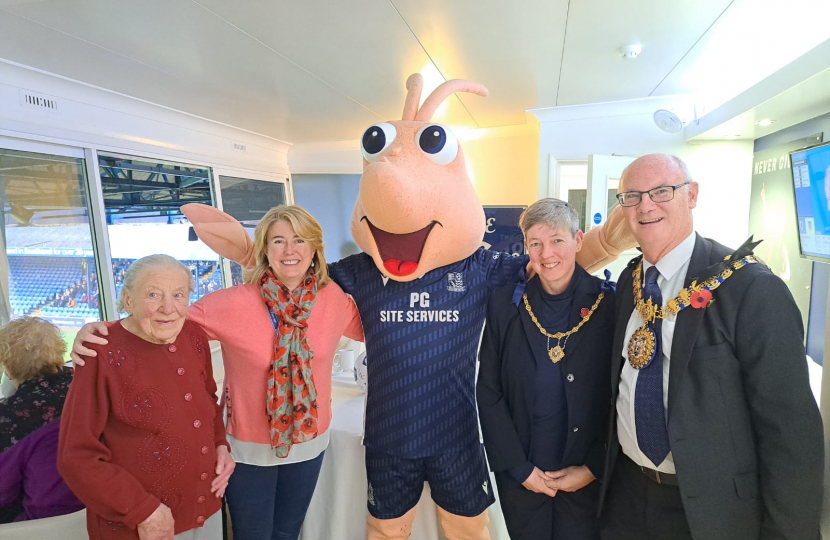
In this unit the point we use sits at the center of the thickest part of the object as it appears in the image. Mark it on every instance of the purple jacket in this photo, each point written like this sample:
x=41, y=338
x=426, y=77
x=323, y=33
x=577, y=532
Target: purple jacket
x=29, y=474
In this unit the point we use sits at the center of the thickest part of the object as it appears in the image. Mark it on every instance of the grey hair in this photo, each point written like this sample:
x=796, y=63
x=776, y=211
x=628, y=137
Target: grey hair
x=675, y=161
x=554, y=213
x=145, y=264
x=680, y=164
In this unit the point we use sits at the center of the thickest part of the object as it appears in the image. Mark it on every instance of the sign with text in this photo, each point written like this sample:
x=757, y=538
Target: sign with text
x=502, y=231
x=772, y=219
x=49, y=251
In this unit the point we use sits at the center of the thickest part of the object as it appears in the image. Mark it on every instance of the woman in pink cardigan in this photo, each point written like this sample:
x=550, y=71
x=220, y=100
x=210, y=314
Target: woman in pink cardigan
x=278, y=332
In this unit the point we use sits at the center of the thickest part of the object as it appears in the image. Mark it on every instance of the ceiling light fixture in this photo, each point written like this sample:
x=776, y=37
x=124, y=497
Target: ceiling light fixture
x=432, y=80
x=765, y=122
x=731, y=137
x=668, y=121
x=630, y=52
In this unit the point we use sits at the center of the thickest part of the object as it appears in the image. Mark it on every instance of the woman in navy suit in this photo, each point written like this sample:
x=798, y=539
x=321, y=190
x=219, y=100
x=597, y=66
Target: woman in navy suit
x=544, y=380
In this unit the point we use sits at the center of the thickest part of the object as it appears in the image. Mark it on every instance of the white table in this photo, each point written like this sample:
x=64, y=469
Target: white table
x=338, y=508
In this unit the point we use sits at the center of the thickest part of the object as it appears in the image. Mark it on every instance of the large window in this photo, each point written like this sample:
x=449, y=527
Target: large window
x=247, y=201
x=142, y=201
x=47, y=265
x=51, y=252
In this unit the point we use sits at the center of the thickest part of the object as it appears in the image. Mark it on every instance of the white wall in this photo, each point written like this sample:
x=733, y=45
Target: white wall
x=722, y=168
x=330, y=199
x=330, y=157
x=88, y=116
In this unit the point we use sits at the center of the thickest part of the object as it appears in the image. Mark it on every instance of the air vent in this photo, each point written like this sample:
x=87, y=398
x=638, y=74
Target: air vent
x=40, y=102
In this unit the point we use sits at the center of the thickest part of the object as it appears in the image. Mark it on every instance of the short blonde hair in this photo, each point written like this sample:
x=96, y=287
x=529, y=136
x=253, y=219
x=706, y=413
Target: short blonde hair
x=305, y=226
x=31, y=347
x=144, y=264
x=555, y=213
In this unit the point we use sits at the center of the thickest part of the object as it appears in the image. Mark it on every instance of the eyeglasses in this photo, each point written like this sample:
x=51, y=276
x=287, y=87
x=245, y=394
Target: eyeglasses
x=658, y=195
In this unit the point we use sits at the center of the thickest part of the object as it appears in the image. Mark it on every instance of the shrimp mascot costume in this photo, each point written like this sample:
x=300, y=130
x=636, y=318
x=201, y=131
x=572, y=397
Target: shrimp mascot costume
x=421, y=287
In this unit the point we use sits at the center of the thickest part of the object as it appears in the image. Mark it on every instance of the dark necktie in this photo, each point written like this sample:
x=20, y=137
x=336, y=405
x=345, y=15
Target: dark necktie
x=649, y=413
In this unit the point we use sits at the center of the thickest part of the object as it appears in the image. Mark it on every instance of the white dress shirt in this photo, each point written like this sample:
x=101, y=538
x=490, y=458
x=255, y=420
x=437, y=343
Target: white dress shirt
x=672, y=267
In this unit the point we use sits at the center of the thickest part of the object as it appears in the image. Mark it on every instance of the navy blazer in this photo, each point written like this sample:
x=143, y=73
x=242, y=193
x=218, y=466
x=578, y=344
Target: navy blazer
x=505, y=387
x=744, y=428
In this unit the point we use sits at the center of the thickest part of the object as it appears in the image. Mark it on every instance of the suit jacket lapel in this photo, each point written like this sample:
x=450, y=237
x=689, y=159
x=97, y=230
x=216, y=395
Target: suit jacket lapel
x=688, y=322
x=584, y=297
x=625, y=305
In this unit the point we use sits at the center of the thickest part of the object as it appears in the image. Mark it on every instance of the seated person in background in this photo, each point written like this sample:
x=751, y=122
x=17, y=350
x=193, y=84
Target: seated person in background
x=543, y=384
x=31, y=353
x=142, y=441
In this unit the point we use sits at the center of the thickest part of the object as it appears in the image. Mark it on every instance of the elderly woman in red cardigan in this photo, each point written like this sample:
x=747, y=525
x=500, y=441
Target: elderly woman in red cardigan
x=142, y=440
x=279, y=332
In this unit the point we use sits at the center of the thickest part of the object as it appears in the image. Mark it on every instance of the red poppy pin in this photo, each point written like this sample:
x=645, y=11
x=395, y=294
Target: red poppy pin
x=701, y=298
x=584, y=313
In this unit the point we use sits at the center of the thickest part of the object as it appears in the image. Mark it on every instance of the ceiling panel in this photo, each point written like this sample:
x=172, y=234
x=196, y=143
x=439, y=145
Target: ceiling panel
x=752, y=40
x=803, y=101
x=28, y=42
x=318, y=71
x=361, y=47
x=512, y=47
x=594, y=72
x=177, y=54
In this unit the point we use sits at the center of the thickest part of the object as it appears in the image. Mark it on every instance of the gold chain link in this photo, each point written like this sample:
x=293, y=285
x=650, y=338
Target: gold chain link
x=651, y=312
x=560, y=335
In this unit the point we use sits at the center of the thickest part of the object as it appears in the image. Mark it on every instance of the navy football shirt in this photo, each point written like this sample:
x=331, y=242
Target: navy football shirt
x=422, y=337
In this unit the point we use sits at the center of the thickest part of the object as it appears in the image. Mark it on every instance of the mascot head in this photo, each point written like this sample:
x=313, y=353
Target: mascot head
x=417, y=209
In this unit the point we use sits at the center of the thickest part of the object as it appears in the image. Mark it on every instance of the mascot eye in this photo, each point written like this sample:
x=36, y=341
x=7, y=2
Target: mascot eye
x=438, y=143
x=377, y=139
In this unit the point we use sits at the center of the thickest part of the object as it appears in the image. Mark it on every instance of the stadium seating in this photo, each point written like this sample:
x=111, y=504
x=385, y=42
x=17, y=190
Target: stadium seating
x=56, y=287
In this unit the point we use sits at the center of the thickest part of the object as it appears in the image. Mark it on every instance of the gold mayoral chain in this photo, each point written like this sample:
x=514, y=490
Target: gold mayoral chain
x=557, y=353
x=641, y=346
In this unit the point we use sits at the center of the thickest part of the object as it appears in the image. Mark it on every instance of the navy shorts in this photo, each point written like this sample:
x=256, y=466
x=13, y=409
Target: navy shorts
x=459, y=481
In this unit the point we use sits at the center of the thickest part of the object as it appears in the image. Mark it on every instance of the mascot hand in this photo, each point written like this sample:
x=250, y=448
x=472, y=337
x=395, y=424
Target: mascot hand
x=221, y=233
x=605, y=243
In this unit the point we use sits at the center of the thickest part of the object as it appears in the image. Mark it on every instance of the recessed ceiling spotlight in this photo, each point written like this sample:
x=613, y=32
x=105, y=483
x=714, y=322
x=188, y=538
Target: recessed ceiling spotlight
x=630, y=52
x=730, y=137
x=765, y=122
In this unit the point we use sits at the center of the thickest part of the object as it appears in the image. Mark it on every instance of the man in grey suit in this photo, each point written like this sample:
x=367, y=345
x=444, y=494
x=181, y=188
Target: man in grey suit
x=714, y=433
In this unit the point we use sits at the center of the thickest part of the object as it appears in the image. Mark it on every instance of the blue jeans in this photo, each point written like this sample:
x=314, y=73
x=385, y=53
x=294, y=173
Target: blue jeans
x=270, y=503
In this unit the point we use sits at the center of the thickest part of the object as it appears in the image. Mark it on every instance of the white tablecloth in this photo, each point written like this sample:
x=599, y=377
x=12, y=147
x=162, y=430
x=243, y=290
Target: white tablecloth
x=338, y=508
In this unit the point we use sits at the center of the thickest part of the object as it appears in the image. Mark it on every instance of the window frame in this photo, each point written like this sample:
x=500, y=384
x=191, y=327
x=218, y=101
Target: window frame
x=244, y=174
x=89, y=151
x=74, y=152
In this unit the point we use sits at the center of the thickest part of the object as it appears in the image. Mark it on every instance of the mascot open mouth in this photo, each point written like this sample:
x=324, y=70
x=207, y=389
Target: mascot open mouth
x=400, y=253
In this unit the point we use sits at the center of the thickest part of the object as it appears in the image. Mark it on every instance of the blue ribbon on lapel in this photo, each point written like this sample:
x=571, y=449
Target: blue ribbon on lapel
x=520, y=286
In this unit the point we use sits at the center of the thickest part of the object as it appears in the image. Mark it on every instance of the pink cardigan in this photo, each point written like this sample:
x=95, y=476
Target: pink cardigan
x=237, y=317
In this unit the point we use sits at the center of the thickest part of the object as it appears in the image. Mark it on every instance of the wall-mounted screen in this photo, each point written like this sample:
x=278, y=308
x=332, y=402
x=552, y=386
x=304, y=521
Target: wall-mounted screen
x=811, y=180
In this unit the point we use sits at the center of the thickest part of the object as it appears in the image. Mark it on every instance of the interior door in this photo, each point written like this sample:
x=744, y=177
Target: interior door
x=604, y=173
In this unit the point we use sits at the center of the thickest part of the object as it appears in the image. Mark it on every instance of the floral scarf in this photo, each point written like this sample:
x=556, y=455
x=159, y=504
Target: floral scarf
x=291, y=402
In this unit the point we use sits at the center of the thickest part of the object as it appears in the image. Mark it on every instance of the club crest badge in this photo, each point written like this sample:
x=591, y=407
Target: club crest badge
x=455, y=282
